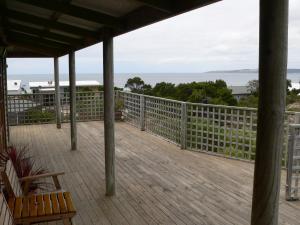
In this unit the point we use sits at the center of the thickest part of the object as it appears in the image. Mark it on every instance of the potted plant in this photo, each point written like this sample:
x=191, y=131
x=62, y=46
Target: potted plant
x=119, y=106
x=24, y=165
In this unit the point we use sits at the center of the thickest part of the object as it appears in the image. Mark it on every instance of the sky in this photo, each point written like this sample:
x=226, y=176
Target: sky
x=221, y=36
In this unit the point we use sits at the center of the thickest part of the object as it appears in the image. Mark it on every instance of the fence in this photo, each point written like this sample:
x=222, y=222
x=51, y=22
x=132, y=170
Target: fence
x=30, y=109
x=222, y=130
x=293, y=168
x=89, y=106
x=40, y=108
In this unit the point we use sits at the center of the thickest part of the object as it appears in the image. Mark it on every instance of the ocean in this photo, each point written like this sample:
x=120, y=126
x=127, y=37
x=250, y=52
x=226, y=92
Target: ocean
x=232, y=79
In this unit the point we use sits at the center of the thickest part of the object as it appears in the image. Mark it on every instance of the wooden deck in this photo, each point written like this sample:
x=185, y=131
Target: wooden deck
x=157, y=182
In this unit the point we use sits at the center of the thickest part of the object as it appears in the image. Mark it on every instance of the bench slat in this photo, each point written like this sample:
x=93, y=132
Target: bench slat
x=40, y=205
x=69, y=202
x=33, y=206
x=18, y=208
x=25, y=210
x=62, y=204
x=48, y=209
x=55, y=207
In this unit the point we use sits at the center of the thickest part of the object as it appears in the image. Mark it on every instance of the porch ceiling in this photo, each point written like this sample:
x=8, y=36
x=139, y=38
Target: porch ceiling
x=42, y=28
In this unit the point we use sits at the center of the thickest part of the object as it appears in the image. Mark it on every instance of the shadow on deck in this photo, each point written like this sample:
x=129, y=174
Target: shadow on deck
x=157, y=182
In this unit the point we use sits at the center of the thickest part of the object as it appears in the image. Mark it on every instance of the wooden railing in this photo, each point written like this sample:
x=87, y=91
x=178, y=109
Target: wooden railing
x=222, y=130
x=40, y=108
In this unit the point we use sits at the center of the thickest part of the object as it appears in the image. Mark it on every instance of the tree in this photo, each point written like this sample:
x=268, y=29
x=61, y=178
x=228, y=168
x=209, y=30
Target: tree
x=253, y=86
x=288, y=85
x=197, y=92
x=135, y=84
x=147, y=89
x=220, y=84
x=198, y=96
x=250, y=101
x=164, y=89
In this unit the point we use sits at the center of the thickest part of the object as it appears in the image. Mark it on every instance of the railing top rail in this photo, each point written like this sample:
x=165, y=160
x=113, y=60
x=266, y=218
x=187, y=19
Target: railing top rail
x=154, y=97
x=295, y=126
x=223, y=106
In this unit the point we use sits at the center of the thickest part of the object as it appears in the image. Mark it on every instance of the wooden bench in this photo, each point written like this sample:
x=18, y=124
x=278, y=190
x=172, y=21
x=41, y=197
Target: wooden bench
x=13, y=183
x=34, y=208
x=37, y=209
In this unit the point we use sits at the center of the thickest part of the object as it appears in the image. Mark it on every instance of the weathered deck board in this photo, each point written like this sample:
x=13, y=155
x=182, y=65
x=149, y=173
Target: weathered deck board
x=157, y=182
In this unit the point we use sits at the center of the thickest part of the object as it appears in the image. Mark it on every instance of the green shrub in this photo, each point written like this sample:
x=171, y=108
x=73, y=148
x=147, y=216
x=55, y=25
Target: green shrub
x=38, y=115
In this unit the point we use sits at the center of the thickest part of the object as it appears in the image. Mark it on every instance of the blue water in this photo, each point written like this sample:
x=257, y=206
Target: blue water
x=121, y=78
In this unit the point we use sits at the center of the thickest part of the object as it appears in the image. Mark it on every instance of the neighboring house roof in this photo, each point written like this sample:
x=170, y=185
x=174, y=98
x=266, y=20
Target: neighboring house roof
x=240, y=90
x=14, y=85
x=51, y=84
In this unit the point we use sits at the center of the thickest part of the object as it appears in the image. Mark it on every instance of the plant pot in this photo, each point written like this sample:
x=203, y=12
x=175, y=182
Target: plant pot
x=118, y=115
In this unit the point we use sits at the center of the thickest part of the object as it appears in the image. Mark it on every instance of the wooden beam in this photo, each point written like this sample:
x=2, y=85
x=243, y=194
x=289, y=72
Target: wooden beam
x=109, y=115
x=72, y=91
x=141, y=17
x=3, y=21
x=165, y=6
x=76, y=11
x=46, y=34
x=27, y=53
x=57, y=93
x=39, y=21
x=33, y=47
x=184, y=6
x=44, y=42
x=271, y=111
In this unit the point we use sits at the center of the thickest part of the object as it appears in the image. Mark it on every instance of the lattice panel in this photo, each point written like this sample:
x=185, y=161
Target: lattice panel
x=293, y=168
x=132, y=107
x=228, y=131
x=89, y=106
x=31, y=109
x=163, y=117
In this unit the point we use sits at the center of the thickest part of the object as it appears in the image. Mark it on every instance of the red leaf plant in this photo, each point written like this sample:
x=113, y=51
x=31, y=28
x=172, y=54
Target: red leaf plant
x=24, y=165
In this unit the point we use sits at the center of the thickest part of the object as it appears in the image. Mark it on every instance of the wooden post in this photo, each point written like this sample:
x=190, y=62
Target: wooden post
x=142, y=112
x=57, y=93
x=183, y=125
x=6, y=101
x=3, y=124
x=109, y=114
x=272, y=96
x=72, y=89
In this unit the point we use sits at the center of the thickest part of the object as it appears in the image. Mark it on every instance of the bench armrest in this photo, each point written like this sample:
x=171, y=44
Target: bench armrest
x=27, y=180
x=35, y=177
